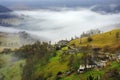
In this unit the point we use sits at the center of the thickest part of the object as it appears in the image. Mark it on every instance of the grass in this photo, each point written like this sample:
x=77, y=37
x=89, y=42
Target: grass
x=101, y=40
x=11, y=71
x=54, y=66
x=115, y=64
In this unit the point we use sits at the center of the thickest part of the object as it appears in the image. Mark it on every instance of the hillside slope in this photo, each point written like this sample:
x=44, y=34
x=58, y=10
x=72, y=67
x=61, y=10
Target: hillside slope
x=63, y=65
x=12, y=68
x=99, y=40
x=15, y=40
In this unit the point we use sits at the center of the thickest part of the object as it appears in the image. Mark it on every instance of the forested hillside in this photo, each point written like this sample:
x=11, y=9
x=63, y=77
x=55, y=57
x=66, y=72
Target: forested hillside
x=96, y=58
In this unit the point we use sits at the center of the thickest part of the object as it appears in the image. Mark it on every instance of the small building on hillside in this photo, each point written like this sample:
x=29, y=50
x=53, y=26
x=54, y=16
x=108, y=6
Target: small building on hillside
x=118, y=57
x=101, y=63
x=83, y=67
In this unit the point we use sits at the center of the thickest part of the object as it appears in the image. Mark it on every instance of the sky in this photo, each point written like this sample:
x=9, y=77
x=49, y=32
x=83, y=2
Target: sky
x=47, y=3
x=63, y=24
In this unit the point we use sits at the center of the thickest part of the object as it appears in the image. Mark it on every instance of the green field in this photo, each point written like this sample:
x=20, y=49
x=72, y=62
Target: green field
x=11, y=70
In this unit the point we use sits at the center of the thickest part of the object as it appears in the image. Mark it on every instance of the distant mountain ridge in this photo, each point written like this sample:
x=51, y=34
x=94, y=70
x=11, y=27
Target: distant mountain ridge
x=7, y=18
x=15, y=40
x=4, y=9
x=107, y=8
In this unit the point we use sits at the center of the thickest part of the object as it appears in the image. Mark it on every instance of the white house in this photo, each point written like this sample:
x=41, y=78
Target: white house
x=82, y=68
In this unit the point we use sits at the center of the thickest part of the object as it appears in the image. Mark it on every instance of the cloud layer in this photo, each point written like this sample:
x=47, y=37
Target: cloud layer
x=63, y=24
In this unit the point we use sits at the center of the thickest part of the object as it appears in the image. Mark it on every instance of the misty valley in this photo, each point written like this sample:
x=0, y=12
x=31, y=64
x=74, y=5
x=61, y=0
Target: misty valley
x=60, y=40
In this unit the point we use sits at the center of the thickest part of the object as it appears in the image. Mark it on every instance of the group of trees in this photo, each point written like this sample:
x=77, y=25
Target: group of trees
x=9, y=44
x=117, y=35
x=0, y=42
x=2, y=62
x=35, y=54
x=38, y=56
x=90, y=33
x=6, y=50
x=86, y=58
x=74, y=62
x=112, y=74
x=90, y=77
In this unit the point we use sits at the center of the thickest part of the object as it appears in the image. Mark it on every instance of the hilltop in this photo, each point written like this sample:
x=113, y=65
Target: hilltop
x=99, y=40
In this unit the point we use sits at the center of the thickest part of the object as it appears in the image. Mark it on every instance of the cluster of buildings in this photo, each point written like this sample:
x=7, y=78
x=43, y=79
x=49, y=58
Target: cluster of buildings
x=99, y=60
x=104, y=60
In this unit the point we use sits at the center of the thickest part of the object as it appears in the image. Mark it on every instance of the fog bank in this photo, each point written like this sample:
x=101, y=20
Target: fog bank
x=63, y=24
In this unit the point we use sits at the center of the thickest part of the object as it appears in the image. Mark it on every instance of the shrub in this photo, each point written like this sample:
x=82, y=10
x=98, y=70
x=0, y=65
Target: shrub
x=89, y=39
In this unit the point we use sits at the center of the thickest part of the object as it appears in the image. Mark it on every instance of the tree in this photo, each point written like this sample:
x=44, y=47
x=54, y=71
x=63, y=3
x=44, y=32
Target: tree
x=62, y=58
x=0, y=43
x=89, y=39
x=37, y=54
x=71, y=61
x=86, y=59
x=90, y=32
x=117, y=35
x=106, y=48
x=90, y=78
x=2, y=62
x=80, y=39
x=87, y=56
x=95, y=52
x=112, y=74
x=74, y=62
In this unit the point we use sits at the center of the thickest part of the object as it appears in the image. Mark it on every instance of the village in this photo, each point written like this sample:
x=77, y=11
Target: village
x=95, y=57
x=68, y=59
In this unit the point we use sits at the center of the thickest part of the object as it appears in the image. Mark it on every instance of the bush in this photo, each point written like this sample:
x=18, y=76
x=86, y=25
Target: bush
x=89, y=39
x=2, y=62
x=112, y=74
